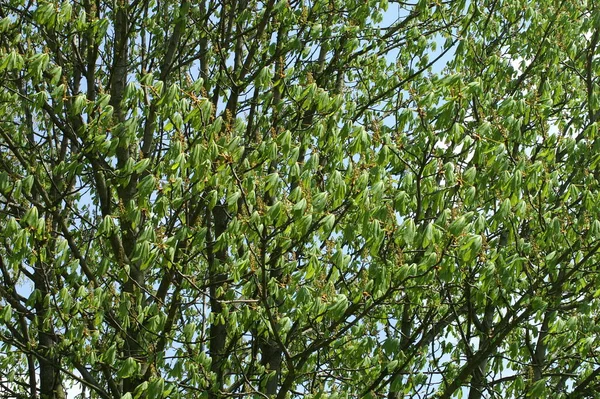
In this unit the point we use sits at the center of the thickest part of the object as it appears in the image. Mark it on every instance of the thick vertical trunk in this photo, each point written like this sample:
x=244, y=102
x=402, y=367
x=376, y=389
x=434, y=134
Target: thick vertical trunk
x=271, y=357
x=50, y=379
x=49, y=371
x=405, y=330
x=218, y=220
x=124, y=249
x=479, y=379
x=44, y=280
x=539, y=354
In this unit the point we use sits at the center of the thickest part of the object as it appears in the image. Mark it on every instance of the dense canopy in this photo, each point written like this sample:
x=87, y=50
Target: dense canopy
x=299, y=199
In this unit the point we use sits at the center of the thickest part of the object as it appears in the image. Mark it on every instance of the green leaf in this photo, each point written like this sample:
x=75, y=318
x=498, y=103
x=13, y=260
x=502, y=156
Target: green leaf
x=428, y=236
x=391, y=366
x=146, y=185
x=38, y=64
x=30, y=218
x=299, y=208
x=274, y=211
x=212, y=199
x=109, y=356
x=7, y=313
x=233, y=198
x=141, y=165
x=457, y=227
x=504, y=210
x=5, y=186
x=188, y=331
x=156, y=388
x=408, y=231
x=27, y=184
x=272, y=181
x=129, y=368
x=78, y=104
x=107, y=226
x=328, y=222
x=537, y=389
x=319, y=201
x=5, y=24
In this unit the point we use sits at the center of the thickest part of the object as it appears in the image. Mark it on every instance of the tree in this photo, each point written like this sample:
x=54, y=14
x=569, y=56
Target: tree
x=299, y=199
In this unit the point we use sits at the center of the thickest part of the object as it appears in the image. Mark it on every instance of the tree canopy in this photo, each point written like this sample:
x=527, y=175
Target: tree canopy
x=299, y=199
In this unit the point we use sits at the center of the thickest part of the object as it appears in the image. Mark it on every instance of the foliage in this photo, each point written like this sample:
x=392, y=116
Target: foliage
x=307, y=198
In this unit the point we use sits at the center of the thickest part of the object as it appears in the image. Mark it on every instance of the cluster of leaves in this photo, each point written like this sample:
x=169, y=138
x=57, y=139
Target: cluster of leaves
x=325, y=198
